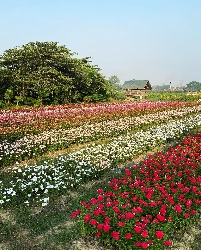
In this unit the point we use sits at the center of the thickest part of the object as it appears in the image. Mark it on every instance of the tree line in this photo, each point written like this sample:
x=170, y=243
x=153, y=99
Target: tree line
x=191, y=86
x=44, y=73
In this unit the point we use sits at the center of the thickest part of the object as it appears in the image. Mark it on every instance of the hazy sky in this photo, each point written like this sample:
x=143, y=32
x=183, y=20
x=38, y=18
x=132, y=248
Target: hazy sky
x=157, y=40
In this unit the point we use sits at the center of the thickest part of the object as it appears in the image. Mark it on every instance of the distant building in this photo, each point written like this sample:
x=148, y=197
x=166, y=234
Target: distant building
x=137, y=85
x=136, y=88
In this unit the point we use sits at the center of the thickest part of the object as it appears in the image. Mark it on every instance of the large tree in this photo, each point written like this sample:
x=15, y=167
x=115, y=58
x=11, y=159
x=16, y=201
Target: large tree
x=50, y=73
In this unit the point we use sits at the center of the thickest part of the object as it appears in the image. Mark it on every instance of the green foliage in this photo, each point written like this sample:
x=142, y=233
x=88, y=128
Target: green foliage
x=9, y=95
x=114, y=80
x=49, y=74
x=172, y=96
x=193, y=86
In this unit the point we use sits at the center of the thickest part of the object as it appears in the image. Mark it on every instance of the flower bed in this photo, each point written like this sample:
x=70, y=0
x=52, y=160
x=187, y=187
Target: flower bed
x=150, y=202
x=32, y=145
x=39, y=182
x=17, y=122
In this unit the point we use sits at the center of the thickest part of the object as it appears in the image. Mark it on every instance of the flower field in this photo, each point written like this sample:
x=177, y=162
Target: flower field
x=144, y=206
x=150, y=202
x=61, y=131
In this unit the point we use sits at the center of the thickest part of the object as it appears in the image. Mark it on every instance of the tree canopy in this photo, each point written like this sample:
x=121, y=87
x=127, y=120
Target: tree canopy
x=114, y=80
x=193, y=86
x=48, y=73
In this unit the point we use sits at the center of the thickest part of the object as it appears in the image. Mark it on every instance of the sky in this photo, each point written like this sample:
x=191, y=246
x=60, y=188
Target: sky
x=155, y=40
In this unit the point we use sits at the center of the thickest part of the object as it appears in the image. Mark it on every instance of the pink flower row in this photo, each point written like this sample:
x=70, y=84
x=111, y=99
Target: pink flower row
x=42, y=118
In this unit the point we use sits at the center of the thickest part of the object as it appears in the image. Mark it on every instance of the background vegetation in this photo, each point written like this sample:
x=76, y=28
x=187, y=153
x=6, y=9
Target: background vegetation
x=41, y=73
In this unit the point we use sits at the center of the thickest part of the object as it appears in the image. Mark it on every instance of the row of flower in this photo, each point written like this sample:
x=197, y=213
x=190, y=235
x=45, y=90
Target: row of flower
x=31, y=120
x=150, y=202
x=38, y=182
x=32, y=145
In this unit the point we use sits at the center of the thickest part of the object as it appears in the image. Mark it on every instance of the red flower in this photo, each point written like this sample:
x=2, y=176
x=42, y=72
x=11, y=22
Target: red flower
x=121, y=223
x=159, y=234
x=189, y=203
x=186, y=215
x=167, y=243
x=137, y=229
x=128, y=172
x=170, y=219
x=150, y=242
x=107, y=220
x=129, y=215
x=178, y=208
x=153, y=204
x=100, y=226
x=144, y=245
x=93, y=201
x=100, y=198
x=193, y=211
x=160, y=217
x=93, y=222
x=83, y=203
x=128, y=236
x=97, y=212
x=138, y=244
x=98, y=234
x=139, y=210
x=145, y=233
x=179, y=173
x=87, y=217
x=106, y=228
x=100, y=191
x=115, y=235
x=74, y=214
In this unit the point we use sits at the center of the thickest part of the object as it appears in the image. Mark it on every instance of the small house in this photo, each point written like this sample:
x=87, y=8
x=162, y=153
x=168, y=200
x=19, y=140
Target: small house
x=136, y=88
x=137, y=85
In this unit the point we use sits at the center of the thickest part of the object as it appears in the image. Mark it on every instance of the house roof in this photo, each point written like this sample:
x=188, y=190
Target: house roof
x=135, y=84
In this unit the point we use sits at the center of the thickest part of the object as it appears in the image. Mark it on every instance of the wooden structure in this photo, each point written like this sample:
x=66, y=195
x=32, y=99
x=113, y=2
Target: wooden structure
x=136, y=88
